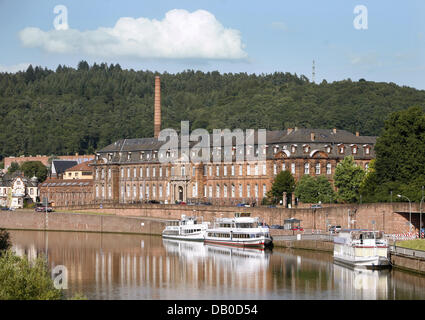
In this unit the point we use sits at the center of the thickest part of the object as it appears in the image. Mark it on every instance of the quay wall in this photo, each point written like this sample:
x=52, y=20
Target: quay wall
x=391, y=218
x=61, y=221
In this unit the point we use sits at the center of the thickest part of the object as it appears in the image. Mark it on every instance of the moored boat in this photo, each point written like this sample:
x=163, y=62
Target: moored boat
x=358, y=248
x=187, y=228
x=241, y=230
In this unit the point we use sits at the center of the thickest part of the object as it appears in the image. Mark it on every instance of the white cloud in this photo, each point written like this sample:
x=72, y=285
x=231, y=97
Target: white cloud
x=180, y=35
x=14, y=68
x=279, y=25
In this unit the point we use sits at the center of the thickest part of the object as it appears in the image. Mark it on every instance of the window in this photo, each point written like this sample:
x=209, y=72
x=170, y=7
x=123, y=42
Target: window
x=217, y=191
x=135, y=172
x=147, y=192
x=256, y=190
x=233, y=190
x=195, y=189
x=233, y=170
x=328, y=168
x=205, y=170
x=128, y=191
x=224, y=170
x=141, y=191
x=128, y=172
x=341, y=149
x=205, y=191
x=109, y=174
x=293, y=168
x=256, y=169
x=160, y=190
x=193, y=171
x=306, y=149
x=160, y=171
x=354, y=150
x=366, y=166
x=168, y=189
x=293, y=149
x=367, y=150
x=248, y=170
x=264, y=169
x=306, y=168
x=317, y=168
x=183, y=171
x=134, y=191
x=240, y=169
x=154, y=191
x=225, y=191
x=248, y=190
x=122, y=173
x=153, y=172
x=264, y=190
x=210, y=170
x=274, y=168
x=283, y=166
x=141, y=172
x=240, y=190
x=147, y=172
x=218, y=171
x=109, y=192
x=328, y=149
x=210, y=191
x=103, y=173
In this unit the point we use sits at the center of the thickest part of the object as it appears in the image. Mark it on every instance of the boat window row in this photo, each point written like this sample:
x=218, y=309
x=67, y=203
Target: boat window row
x=191, y=230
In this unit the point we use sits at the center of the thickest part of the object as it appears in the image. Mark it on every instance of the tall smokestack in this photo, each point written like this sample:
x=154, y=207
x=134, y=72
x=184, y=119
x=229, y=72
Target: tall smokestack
x=157, y=116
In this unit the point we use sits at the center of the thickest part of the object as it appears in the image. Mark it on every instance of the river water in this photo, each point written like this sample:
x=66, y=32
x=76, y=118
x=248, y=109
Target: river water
x=122, y=266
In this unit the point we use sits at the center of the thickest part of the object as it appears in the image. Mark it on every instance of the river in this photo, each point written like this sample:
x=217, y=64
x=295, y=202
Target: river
x=123, y=266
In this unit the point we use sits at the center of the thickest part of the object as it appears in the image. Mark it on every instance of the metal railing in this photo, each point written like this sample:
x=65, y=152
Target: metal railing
x=407, y=252
x=301, y=236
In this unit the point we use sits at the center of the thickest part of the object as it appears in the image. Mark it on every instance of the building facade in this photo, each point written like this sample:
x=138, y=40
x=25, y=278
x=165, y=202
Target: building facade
x=15, y=189
x=64, y=193
x=81, y=171
x=134, y=171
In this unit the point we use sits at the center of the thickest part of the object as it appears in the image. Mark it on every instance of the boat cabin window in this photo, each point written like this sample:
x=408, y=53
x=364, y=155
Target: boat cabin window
x=246, y=225
x=172, y=223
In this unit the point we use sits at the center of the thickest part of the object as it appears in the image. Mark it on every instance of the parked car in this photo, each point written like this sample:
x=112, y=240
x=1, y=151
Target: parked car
x=297, y=228
x=276, y=226
x=316, y=206
x=154, y=201
x=206, y=203
x=5, y=209
x=243, y=205
x=335, y=229
x=43, y=209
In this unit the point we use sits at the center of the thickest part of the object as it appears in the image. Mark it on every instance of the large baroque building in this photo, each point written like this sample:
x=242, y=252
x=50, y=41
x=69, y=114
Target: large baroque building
x=134, y=170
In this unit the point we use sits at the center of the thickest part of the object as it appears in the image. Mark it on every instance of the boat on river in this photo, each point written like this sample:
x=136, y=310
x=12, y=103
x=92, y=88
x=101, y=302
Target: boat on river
x=359, y=248
x=187, y=228
x=241, y=230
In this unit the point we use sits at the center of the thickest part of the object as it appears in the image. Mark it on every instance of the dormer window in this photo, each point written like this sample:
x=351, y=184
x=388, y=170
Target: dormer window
x=341, y=148
x=328, y=149
x=275, y=149
x=306, y=148
x=367, y=150
x=293, y=149
x=354, y=149
x=129, y=156
x=110, y=157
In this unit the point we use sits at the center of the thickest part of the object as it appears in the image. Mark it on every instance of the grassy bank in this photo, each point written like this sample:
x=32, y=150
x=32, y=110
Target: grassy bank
x=418, y=244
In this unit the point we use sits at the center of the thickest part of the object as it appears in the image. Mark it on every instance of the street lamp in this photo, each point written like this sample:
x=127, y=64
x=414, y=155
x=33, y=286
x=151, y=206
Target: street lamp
x=410, y=211
x=420, y=217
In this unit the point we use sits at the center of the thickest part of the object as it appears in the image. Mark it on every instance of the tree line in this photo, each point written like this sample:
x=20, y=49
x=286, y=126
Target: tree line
x=83, y=109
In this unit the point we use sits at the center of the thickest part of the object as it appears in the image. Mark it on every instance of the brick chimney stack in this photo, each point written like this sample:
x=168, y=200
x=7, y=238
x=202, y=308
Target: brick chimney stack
x=357, y=134
x=312, y=136
x=157, y=116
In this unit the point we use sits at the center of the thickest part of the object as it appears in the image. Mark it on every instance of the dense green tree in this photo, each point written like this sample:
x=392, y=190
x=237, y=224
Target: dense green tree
x=14, y=166
x=21, y=279
x=5, y=243
x=348, y=179
x=314, y=189
x=284, y=182
x=400, y=156
x=34, y=168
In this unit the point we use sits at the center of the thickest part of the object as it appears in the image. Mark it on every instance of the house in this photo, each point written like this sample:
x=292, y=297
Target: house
x=15, y=189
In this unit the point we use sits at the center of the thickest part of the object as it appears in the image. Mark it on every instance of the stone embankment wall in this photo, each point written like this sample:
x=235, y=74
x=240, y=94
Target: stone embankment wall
x=391, y=218
x=60, y=221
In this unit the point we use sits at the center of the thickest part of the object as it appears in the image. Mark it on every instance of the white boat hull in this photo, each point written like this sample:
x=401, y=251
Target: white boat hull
x=191, y=237
x=257, y=242
x=377, y=262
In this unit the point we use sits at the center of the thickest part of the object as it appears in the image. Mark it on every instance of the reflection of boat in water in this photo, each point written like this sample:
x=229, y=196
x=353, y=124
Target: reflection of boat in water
x=361, y=249
x=189, y=249
x=242, y=230
x=187, y=228
x=243, y=259
x=361, y=283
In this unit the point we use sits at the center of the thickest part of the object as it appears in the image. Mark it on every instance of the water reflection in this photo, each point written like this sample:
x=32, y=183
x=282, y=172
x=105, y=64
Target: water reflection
x=116, y=266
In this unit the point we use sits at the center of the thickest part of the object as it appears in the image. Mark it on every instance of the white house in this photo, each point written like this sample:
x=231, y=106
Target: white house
x=15, y=188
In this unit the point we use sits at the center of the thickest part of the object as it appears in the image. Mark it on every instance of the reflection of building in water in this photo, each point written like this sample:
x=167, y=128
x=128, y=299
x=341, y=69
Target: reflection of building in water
x=361, y=284
x=29, y=252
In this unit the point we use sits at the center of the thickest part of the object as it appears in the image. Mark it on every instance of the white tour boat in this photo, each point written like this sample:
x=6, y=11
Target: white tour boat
x=241, y=230
x=361, y=249
x=187, y=228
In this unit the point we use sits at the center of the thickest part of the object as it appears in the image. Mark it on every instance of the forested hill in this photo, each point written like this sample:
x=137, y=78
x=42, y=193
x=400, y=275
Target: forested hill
x=80, y=110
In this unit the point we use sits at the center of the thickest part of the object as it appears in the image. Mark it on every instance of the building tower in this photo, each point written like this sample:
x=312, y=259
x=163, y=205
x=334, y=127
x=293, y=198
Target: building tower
x=157, y=105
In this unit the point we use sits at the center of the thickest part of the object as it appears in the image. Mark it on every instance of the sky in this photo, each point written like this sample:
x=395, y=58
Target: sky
x=377, y=40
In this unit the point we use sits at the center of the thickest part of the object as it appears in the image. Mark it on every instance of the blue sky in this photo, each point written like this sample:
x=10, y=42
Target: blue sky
x=233, y=36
